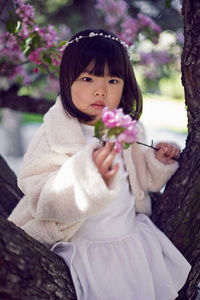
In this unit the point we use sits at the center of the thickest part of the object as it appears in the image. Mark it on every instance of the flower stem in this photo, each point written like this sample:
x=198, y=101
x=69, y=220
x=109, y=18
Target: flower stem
x=151, y=146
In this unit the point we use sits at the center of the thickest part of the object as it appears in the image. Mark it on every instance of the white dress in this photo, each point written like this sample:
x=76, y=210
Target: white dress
x=118, y=254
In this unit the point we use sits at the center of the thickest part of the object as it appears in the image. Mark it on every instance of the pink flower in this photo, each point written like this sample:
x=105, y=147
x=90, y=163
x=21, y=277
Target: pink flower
x=118, y=127
x=25, y=31
x=130, y=29
x=129, y=135
x=114, y=7
x=26, y=13
x=145, y=21
x=35, y=70
x=19, y=2
x=8, y=42
x=113, y=10
x=118, y=146
x=35, y=57
x=115, y=118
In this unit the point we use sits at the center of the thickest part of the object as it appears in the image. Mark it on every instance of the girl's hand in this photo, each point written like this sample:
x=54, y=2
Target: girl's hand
x=103, y=158
x=166, y=152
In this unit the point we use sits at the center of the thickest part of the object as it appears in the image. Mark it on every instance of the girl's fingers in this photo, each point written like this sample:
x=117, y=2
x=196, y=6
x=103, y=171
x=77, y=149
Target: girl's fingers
x=100, y=155
x=110, y=174
x=166, y=153
x=103, y=158
x=108, y=161
x=172, y=151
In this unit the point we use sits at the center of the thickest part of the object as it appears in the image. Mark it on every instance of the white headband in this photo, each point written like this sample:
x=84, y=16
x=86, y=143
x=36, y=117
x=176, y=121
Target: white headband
x=93, y=34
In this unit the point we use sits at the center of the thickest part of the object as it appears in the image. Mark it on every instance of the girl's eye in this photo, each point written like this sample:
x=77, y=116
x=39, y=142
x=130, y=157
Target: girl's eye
x=87, y=79
x=113, y=81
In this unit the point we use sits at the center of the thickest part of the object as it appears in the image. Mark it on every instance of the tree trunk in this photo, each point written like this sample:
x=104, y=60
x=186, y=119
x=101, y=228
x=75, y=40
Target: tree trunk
x=10, y=194
x=28, y=270
x=176, y=212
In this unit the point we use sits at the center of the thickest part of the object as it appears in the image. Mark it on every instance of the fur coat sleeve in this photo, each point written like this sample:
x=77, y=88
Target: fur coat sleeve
x=61, y=183
x=146, y=173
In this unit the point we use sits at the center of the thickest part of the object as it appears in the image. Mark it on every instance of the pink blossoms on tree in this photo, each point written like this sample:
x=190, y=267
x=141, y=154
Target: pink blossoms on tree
x=116, y=127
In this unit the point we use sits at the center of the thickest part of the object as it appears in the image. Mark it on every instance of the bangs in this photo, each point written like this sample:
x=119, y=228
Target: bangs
x=98, y=53
x=109, y=60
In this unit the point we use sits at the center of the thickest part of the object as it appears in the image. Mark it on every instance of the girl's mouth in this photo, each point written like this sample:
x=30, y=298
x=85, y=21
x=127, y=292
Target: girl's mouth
x=98, y=105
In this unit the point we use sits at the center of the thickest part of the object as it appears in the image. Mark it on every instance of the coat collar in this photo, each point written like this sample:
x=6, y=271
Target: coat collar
x=59, y=139
x=72, y=139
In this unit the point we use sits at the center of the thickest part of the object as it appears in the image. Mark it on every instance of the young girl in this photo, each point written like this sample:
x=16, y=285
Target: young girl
x=88, y=201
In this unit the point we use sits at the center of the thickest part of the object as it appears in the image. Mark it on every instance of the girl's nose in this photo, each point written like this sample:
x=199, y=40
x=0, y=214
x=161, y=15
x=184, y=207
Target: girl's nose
x=97, y=93
x=100, y=91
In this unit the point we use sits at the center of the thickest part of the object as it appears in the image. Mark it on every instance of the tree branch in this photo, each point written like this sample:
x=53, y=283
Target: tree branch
x=10, y=99
x=35, y=272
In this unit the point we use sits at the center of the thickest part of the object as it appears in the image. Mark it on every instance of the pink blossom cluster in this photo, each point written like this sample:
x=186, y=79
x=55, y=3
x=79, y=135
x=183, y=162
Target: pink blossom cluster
x=154, y=60
x=38, y=55
x=48, y=34
x=146, y=21
x=35, y=57
x=28, y=40
x=8, y=43
x=25, y=12
x=114, y=10
x=10, y=56
x=26, y=15
x=116, y=118
x=155, y=57
x=132, y=27
x=128, y=28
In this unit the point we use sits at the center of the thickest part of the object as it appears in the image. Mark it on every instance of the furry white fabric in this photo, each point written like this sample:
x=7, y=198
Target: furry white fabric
x=62, y=185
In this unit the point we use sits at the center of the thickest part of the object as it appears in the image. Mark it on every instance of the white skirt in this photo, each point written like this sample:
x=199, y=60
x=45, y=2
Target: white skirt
x=117, y=255
x=139, y=266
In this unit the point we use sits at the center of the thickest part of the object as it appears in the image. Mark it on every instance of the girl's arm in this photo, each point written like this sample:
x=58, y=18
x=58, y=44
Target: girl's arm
x=153, y=168
x=61, y=188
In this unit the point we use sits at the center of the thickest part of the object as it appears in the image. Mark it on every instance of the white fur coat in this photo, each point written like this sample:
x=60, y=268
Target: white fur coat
x=62, y=185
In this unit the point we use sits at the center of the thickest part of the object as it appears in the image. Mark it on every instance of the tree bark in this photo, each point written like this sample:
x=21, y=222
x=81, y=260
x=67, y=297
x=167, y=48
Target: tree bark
x=178, y=212
x=10, y=194
x=28, y=270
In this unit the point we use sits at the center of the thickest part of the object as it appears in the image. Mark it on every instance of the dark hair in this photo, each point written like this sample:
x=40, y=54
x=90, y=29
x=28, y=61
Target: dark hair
x=102, y=52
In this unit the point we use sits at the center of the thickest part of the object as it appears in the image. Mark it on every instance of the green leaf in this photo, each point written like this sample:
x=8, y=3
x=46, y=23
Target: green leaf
x=47, y=58
x=126, y=145
x=36, y=40
x=115, y=131
x=97, y=129
x=11, y=25
x=62, y=43
x=42, y=69
x=168, y=3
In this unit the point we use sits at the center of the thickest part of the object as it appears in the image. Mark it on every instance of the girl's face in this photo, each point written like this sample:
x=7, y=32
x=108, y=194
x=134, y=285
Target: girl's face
x=90, y=93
